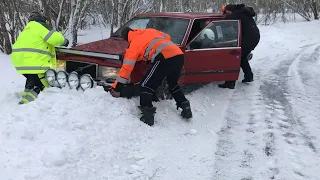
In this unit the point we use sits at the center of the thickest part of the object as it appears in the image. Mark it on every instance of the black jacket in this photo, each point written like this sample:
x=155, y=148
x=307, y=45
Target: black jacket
x=250, y=31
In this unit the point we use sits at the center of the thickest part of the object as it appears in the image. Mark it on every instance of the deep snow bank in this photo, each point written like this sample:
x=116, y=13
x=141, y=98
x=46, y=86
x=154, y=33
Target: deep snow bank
x=90, y=135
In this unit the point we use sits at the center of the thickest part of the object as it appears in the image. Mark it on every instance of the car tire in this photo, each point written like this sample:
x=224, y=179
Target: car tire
x=163, y=92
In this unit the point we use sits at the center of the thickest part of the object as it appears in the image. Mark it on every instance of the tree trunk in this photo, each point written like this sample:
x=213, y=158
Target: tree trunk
x=71, y=19
x=257, y=10
x=314, y=9
x=114, y=8
x=4, y=34
x=59, y=15
x=7, y=46
x=76, y=20
x=46, y=10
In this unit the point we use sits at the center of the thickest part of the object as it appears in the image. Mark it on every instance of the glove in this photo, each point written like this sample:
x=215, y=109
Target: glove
x=66, y=43
x=114, y=93
x=249, y=57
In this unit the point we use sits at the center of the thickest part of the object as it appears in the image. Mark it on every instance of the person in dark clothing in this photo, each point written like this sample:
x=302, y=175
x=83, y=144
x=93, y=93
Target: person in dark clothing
x=250, y=37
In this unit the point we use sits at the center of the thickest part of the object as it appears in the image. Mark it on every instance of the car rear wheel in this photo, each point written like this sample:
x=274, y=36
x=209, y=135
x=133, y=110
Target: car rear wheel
x=163, y=92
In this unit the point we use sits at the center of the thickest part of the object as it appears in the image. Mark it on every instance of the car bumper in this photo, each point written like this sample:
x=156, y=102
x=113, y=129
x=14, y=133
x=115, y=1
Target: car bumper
x=101, y=75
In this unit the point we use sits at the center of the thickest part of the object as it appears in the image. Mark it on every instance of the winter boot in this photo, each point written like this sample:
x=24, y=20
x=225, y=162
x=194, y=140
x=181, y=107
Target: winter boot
x=248, y=76
x=155, y=98
x=186, y=109
x=247, y=79
x=147, y=115
x=228, y=84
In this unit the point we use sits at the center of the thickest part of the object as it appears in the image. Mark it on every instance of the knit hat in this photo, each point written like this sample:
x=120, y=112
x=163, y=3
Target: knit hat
x=233, y=7
x=37, y=16
x=125, y=32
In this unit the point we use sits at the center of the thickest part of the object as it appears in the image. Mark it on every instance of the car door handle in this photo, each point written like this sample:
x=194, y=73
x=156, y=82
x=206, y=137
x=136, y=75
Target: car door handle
x=234, y=52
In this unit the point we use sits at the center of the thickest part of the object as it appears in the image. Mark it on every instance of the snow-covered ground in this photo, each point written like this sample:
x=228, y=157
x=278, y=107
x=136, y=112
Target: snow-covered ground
x=268, y=129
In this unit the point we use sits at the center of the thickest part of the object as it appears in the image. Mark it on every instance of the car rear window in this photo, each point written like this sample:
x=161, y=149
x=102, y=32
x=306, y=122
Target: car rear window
x=175, y=27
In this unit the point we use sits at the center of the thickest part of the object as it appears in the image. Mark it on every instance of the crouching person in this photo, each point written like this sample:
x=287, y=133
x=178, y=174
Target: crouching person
x=34, y=52
x=167, y=60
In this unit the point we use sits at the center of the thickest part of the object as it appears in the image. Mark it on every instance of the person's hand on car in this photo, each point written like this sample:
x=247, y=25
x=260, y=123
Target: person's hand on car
x=66, y=42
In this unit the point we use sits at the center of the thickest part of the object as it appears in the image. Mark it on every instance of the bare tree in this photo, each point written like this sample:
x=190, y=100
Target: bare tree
x=72, y=15
x=78, y=8
x=314, y=8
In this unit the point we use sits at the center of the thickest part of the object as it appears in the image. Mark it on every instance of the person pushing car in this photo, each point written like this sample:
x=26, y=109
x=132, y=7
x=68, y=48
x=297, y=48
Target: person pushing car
x=166, y=60
x=34, y=52
x=250, y=37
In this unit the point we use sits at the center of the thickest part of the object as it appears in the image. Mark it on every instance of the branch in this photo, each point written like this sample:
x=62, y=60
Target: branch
x=59, y=14
x=81, y=13
x=296, y=10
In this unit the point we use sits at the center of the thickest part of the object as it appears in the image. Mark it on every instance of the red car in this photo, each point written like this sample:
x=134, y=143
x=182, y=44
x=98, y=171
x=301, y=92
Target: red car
x=210, y=43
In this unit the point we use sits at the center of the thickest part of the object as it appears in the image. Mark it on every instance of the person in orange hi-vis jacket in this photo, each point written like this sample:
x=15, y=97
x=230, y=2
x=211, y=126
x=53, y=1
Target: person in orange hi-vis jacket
x=166, y=60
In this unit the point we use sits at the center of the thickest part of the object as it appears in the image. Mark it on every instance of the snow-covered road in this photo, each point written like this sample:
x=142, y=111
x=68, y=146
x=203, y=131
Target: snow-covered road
x=268, y=129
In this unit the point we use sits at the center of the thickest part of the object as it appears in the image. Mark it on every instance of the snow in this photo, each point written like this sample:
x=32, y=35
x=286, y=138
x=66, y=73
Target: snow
x=268, y=129
x=94, y=33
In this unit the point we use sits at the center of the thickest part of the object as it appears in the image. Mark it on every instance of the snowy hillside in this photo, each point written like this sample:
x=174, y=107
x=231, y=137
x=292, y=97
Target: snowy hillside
x=269, y=129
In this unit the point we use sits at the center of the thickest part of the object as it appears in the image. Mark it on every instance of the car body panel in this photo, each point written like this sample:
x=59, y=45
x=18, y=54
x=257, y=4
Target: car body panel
x=108, y=46
x=219, y=63
x=214, y=69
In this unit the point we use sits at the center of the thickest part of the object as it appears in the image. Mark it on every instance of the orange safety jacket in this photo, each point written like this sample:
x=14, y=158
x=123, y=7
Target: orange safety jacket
x=145, y=45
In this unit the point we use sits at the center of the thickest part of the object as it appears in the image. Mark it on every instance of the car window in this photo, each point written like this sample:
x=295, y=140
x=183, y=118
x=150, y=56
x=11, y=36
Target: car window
x=218, y=34
x=139, y=23
x=197, y=26
x=175, y=27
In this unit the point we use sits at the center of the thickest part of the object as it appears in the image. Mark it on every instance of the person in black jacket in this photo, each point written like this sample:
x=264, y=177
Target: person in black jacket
x=250, y=37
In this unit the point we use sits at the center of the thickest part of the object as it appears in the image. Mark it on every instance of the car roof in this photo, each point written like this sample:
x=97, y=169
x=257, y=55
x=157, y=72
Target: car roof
x=188, y=15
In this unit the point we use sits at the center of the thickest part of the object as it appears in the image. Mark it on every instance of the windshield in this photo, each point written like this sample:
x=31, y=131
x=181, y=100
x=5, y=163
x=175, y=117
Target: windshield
x=175, y=27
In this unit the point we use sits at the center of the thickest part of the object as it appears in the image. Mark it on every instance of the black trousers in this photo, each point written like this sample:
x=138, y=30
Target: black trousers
x=246, y=66
x=162, y=68
x=33, y=82
x=248, y=46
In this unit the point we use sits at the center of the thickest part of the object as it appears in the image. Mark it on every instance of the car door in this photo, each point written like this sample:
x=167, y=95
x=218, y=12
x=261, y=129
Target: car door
x=214, y=54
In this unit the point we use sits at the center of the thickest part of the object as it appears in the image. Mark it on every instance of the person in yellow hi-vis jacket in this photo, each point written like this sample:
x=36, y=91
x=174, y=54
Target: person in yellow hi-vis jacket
x=34, y=52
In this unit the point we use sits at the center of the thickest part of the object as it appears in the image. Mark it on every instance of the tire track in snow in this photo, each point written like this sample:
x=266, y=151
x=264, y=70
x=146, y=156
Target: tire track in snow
x=270, y=145
x=254, y=155
x=239, y=148
x=272, y=134
x=303, y=96
x=308, y=70
x=279, y=124
x=298, y=147
x=257, y=138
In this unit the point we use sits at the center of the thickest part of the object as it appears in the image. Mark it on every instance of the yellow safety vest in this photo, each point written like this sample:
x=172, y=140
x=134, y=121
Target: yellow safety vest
x=34, y=50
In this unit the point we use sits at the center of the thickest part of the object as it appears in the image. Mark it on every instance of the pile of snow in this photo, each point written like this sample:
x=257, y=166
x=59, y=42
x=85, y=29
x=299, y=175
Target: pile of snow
x=234, y=134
